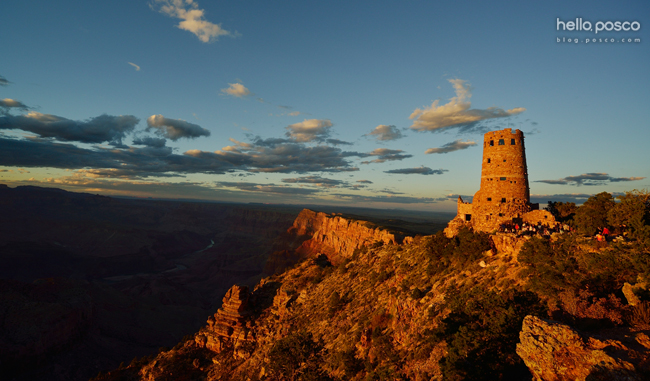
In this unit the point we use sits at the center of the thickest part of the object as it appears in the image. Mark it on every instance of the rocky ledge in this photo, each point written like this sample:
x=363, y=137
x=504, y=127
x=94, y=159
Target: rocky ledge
x=556, y=352
x=227, y=328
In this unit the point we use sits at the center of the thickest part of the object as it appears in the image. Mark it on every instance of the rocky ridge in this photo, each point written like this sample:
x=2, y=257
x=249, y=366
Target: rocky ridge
x=314, y=233
x=390, y=310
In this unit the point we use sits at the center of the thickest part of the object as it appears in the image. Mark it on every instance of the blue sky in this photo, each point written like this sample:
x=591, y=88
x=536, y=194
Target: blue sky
x=320, y=102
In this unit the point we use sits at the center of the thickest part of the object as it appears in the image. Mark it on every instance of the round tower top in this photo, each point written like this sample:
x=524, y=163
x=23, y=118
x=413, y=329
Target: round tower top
x=506, y=133
x=502, y=133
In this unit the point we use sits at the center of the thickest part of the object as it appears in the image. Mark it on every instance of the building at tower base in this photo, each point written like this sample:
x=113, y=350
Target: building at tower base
x=504, y=194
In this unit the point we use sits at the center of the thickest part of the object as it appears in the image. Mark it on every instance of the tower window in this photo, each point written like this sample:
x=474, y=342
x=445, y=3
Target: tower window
x=489, y=198
x=500, y=214
x=491, y=143
x=503, y=179
x=512, y=142
x=501, y=142
x=488, y=161
x=503, y=199
x=504, y=160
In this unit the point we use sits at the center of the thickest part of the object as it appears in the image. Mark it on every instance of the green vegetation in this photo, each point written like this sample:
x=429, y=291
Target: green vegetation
x=562, y=211
x=481, y=333
x=592, y=215
x=297, y=357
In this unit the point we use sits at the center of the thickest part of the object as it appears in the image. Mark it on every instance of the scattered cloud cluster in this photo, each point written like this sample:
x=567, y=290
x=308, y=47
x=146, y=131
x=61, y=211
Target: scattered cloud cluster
x=306, y=148
x=385, y=154
x=100, y=129
x=457, y=113
x=175, y=129
x=589, y=179
x=346, y=197
x=309, y=130
x=4, y=81
x=267, y=188
x=316, y=181
x=321, y=182
x=386, y=199
x=456, y=145
x=282, y=156
x=130, y=162
x=236, y=90
x=192, y=18
x=385, y=133
x=417, y=171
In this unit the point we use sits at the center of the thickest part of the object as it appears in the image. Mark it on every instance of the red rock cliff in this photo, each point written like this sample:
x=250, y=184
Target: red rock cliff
x=337, y=237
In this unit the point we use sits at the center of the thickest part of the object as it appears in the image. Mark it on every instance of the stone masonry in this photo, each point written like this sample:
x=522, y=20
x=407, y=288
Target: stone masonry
x=504, y=195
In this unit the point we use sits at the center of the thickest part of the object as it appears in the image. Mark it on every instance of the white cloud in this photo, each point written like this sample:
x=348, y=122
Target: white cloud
x=192, y=19
x=137, y=68
x=384, y=133
x=456, y=112
x=236, y=90
x=309, y=130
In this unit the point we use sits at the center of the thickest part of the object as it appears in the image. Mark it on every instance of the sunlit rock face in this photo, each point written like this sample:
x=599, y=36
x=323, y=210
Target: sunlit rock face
x=337, y=237
x=556, y=352
x=227, y=327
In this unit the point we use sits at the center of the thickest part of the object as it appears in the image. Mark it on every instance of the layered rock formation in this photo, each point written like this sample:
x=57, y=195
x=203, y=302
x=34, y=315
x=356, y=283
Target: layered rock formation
x=554, y=352
x=337, y=237
x=227, y=327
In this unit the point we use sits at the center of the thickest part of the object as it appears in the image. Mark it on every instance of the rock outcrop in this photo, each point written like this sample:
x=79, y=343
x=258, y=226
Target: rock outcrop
x=554, y=352
x=509, y=243
x=227, y=327
x=337, y=237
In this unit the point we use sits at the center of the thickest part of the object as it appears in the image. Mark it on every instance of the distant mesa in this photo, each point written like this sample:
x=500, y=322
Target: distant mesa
x=504, y=196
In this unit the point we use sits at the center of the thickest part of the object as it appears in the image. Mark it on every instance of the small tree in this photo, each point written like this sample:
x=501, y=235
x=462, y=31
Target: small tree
x=562, y=211
x=593, y=213
x=632, y=211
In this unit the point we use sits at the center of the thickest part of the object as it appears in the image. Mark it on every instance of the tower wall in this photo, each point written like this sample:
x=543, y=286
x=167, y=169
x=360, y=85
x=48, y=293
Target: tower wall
x=504, y=192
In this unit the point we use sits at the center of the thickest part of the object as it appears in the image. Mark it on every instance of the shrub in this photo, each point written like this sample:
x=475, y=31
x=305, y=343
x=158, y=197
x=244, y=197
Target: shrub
x=548, y=269
x=346, y=361
x=297, y=356
x=562, y=211
x=417, y=293
x=482, y=332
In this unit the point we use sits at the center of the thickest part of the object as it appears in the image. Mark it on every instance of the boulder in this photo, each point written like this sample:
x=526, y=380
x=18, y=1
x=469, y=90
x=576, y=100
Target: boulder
x=555, y=352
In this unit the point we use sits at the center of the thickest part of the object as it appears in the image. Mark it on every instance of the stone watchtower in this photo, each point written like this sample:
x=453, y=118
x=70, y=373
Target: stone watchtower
x=504, y=195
